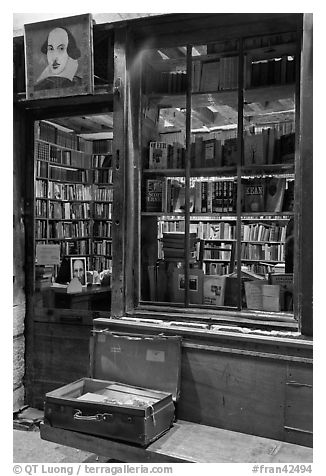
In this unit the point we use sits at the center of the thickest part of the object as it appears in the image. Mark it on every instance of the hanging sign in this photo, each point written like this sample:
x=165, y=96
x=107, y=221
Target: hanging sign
x=59, y=57
x=47, y=254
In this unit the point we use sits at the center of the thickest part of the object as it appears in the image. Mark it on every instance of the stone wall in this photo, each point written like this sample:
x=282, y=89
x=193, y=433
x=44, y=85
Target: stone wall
x=19, y=301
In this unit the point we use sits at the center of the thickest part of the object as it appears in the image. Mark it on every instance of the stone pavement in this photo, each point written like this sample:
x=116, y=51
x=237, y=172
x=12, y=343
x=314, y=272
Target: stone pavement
x=28, y=447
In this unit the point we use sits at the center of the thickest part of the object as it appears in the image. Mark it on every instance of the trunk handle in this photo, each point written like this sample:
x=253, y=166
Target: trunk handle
x=98, y=417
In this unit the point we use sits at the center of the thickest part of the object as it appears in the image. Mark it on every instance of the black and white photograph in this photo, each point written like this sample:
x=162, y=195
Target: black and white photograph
x=148, y=334
x=78, y=269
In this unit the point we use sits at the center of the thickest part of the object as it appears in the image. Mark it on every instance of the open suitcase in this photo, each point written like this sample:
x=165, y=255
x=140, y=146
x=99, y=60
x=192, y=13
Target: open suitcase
x=130, y=396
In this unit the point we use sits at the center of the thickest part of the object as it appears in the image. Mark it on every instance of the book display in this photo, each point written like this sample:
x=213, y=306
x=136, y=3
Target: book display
x=73, y=199
x=225, y=184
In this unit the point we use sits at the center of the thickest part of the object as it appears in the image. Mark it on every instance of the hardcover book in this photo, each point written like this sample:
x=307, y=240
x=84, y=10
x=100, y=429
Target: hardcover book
x=254, y=149
x=275, y=194
x=230, y=152
x=195, y=285
x=154, y=195
x=254, y=195
x=209, y=153
x=214, y=289
x=158, y=155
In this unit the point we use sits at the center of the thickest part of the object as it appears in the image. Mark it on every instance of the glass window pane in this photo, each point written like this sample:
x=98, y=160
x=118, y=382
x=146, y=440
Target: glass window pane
x=73, y=211
x=267, y=228
x=213, y=169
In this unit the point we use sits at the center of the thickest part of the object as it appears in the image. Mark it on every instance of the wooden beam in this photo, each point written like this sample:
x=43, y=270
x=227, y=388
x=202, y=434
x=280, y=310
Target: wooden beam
x=304, y=184
x=204, y=28
x=119, y=168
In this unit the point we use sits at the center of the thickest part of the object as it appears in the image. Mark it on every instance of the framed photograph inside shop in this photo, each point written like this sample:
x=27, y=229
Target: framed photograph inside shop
x=59, y=57
x=78, y=269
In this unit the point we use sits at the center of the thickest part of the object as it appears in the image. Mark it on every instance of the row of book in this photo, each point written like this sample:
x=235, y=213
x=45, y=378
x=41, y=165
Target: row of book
x=101, y=263
x=103, y=194
x=78, y=247
x=166, y=226
x=62, y=156
x=272, y=71
x=161, y=82
x=74, y=158
x=69, y=211
x=103, y=176
x=217, y=75
x=41, y=169
x=103, y=210
x=264, y=194
x=50, y=133
x=102, y=146
x=70, y=175
x=216, y=269
x=50, y=153
x=224, y=230
x=41, y=188
x=73, y=175
x=168, y=196
x=40, y=229
x=78, y=229
x=102, y=229
x=267, y=194
x=75, y=247
x=267, y=147
x=103, y=247
x=172, y=82
x=102, y=161
x=263, y=232
x=63, y=191
x=250, y=251
x=219, y=251
x=264, y=252
x=41, y=208
x=166, y=156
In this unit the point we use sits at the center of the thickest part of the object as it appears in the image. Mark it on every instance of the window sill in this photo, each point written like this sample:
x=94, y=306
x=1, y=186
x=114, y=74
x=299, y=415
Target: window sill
x=275, y=345
x=211, y=317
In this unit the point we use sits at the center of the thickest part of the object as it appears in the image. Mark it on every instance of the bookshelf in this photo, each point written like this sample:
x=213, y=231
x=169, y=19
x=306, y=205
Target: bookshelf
x=74, y=195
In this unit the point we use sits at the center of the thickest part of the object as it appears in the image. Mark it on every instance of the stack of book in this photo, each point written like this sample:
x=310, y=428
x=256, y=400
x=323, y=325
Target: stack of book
x=43, y=276
x=174, y=246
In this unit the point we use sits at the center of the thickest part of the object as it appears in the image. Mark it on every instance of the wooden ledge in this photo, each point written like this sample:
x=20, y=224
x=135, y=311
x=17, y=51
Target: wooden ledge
x=187, y=442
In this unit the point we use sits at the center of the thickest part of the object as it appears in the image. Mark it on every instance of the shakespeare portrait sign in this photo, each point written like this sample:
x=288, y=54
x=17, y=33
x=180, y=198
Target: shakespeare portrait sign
x=59, y=57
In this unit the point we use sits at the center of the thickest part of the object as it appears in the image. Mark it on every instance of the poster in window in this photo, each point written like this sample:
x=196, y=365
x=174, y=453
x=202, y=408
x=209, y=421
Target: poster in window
x=59, y=57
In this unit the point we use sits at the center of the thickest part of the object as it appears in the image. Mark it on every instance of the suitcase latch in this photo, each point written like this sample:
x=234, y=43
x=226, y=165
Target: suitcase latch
x=97, y=417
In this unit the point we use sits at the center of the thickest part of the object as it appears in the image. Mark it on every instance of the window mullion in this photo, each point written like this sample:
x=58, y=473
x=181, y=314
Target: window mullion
x=239, y=163
x=187, y=172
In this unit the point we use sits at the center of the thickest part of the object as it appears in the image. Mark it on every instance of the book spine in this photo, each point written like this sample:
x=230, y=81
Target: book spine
x=204, y=197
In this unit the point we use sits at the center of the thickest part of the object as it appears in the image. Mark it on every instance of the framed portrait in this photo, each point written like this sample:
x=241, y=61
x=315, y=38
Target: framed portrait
x=59, y=57
x=78, y=269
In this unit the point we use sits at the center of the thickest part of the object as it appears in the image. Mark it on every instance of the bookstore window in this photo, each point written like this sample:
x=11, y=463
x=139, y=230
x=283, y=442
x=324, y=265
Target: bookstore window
x=218, y=124
x=73, y=211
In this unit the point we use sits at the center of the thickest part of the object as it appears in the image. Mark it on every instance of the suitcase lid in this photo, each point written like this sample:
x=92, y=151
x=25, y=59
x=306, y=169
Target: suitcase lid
x=148, y=361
